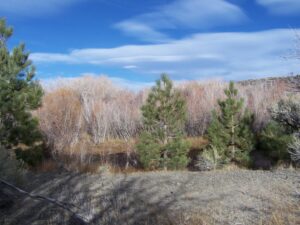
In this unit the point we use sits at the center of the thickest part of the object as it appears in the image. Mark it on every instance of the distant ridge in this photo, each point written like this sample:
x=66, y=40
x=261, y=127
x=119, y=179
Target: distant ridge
x=291, y=83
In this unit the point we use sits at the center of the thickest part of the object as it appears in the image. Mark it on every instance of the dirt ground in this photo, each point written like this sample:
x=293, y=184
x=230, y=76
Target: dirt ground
x=216, y=197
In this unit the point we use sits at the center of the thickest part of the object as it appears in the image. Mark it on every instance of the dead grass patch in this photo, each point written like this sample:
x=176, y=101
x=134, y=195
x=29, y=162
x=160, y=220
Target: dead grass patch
x=113, y=146
x=288, y=214
x=47, y=165
x=197, y=142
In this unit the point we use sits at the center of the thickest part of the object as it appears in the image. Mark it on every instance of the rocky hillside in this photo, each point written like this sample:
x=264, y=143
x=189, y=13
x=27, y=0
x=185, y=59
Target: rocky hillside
x=291, y=83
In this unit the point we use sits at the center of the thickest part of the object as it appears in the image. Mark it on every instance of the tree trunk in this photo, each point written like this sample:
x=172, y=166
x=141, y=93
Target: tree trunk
x=232, y=137
x=165, y=154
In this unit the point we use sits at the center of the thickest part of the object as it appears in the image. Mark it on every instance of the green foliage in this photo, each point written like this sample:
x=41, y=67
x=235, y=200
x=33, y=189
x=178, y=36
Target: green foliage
x=32, y=156
x=19, y=95
x=230, y=130
x=177, y=153
x=161, y=145
x=149, y=151
x=274, y=141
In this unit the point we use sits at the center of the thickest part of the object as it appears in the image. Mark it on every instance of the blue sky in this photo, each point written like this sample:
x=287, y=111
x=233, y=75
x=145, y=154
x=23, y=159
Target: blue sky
x=134, y=41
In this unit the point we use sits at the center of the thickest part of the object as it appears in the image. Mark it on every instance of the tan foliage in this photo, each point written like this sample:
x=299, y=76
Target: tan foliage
x=61, y=119
x=260, y=98
x=85, y=112
x=201, y=99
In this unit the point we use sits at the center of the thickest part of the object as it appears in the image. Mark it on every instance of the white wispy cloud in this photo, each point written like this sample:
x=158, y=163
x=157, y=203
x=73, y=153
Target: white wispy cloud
x=231, y=55
x=142, y=31
x=282, y=7
x=191, y=14
x=130, y=67
x=34, y=7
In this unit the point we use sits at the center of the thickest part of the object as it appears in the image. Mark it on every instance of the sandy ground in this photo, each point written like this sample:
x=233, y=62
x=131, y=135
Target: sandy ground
x=219, y=197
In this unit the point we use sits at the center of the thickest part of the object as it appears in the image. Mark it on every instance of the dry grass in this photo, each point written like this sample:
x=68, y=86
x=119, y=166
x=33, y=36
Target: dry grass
x=116, y=155
x=288, y=214
x=230, y=167
x=167, y=198
x=283, y=214
x=192, y=218
x=197, y=142
x=284, y=210
x=47, y=165
x=114, y=146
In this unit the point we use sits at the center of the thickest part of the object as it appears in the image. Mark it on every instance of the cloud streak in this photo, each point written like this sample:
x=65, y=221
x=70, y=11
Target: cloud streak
x=34, y=7
x=142, y=31
x=281, y=7
x=231, y=55
x=182, y=14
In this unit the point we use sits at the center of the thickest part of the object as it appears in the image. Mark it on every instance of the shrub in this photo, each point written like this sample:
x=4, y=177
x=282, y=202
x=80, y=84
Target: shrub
x=210, y=159
x=294, y=149
x=287, y=114
x=274, y=141
x=161, y=144
x=230, y=130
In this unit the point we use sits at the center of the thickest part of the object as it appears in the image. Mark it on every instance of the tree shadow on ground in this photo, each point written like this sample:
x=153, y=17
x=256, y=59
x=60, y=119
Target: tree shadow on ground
x=101, y=199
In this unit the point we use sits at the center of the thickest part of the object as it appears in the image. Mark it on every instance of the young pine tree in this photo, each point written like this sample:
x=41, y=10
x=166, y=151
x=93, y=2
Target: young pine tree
x=230, y=131
x=19, y=95
x=162, y=144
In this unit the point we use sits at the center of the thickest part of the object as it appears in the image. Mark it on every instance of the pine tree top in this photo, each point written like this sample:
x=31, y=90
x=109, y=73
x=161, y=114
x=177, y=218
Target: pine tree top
x=5, y=32
x=232, y=104
x=164, y=107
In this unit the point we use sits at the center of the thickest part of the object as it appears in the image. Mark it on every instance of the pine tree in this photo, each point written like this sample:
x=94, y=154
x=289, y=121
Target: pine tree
x=230, y=130
x=19, y=95
x=162, y=143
